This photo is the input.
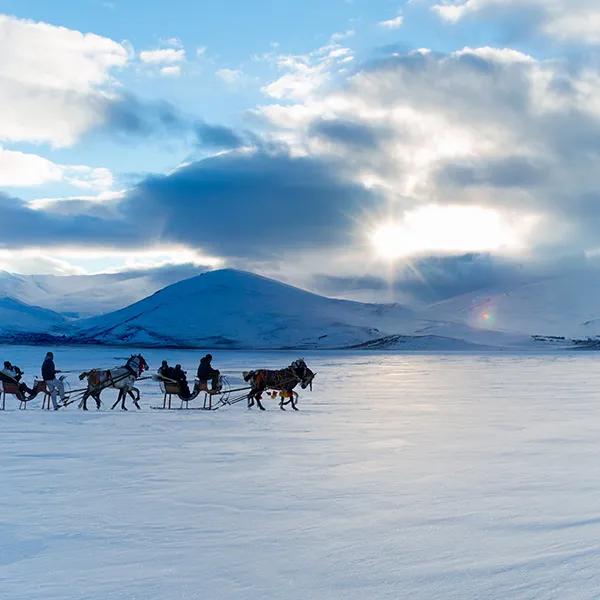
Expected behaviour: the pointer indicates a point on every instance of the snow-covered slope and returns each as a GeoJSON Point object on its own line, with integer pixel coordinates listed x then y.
{"type": "Point", "coordinates": [230, 308]}
{"type": "Point", "coordinates": [17, 318]}
{"type": "Point", "coordinates": [561, 306]}
{"type": "Point", "coordinates": [87, 295]}
{"type": "Point", "coordinates": [236, 309]}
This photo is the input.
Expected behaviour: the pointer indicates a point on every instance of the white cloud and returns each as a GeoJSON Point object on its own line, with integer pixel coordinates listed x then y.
{"type": "Point", "coordinates": [575, 21]}
{"type": "Point", "coordinates": [305, 74]}
{"type": "Point", "coordinates": [229, 76]}
{"type": "Point", "coordinates": [163, 56]}
{"type": "Point", "coordinates": [201, 51]}
{"type": "Point", "coordinates": [484, 127]}
{"type": "Point", "coordinates": [54, 82]}
{"type": "Point", "coordinates": [394, 23]}
{"type": "Point", "coordinates": [171, 71]}
{"type": "Point", "coordinates": [175, 42]}
{"type": "Point", "coordinates": [20, 169]}
{"type": "Point", "coordinates": [61, 204]}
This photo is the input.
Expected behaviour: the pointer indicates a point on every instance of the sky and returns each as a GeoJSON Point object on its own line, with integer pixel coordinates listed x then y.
{"type": "Point", "coordinates": [375, 149]}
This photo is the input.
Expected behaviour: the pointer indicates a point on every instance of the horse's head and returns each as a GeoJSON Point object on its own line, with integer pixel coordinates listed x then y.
{"type": "Point", "coordinates": [304, 374]}
{"type": "Point", "coordinates": [137, 363]}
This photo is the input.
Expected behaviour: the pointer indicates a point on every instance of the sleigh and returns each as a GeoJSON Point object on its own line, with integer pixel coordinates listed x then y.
{"type": "Point", "coordinates": [12, 389]}
{"type": "Point", "coordinates": [173, 388]}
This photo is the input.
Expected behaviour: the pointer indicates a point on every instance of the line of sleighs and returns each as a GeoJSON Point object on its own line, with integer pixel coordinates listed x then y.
{"type": "Point", "coordinates": [173, 381]}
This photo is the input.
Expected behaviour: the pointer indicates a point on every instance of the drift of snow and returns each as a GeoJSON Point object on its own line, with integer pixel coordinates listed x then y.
{"type": "Point", "coordinates": [403, 476]}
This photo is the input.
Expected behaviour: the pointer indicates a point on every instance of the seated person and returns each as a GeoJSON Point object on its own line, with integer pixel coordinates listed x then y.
{"type": "Point", "coordinates": [165, 371]}
{"type": "Point", "coordinates": [179, 375]}
{"type": "Point", "coordinates": [12, 374]}
{"type": "Point", "coordinates": [206, 372]}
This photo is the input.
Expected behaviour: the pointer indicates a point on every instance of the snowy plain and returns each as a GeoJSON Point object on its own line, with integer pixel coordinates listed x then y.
{"type": "Point", "coordinates": [452, 476]}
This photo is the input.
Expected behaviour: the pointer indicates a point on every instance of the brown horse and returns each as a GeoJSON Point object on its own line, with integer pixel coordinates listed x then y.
{"type": "Point", "coordinates": [283, 380]}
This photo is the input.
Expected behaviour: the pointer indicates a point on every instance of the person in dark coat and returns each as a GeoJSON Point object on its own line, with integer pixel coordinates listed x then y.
{"type": "Point", "coordinates": [206, 372]}
{"type": "Point", "coordinates": [12, 374]}
{"type": "Point", "coordinates": [55, 386]}
{"type": "Point", "coordinates": [180, 376]}
{"type": "Point", "coordinates": [165, 370]}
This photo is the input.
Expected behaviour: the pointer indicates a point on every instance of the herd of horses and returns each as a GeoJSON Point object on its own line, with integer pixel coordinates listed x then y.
{"type": "Point", "coordinates": [280, 382]}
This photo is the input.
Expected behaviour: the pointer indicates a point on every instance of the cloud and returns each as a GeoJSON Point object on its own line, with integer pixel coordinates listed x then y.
{"type": "Point", "coordinates": [20, 169]}
{"type": "Point", "coordinates": [25, 226]}
{"type": "Point", "coordinates": [573, 21]}
{"type": "Point", "coordinates": [250, 204]}
{"type": "Point", "coordinates": [229, 76]}
{"type": "Point", "coordinates": [435, 278]}
{"type": "Point", "coordinates": [55, 82]}
{"type": "Point", "coordinates": [305, 74]}
{"type": "Point", "coordinates": [490, 127]}
{"type": "Point", "coordinates": [163, 56]}
{"type": "Point", "coordinates": [394, 23]}
{"type": "Point", "coordinates": [166, 62]}
{"type": "Point", "coordinates": [172, 71]}
{"type": "Point", "coordinates": [130, 116]}
{"type": "Point", "coordinates": [484, 131]}
{"type": "Point", "coordinates": [218, 137]}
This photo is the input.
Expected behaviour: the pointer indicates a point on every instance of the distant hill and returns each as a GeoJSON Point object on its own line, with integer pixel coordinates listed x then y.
{"type": "Point", "coordinates": [19, 318]}
{"type": "Point", "coordinates": [556, 306]}
{"type": "Point", "coordinates": [235, 309]}
{"type": "Point", "coordinates": [87, 295]}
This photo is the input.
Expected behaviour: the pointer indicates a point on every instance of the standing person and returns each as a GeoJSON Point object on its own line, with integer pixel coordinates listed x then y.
{"type": "Point", "coordinates": [206, 372]}
{"type": "Point", "coordinates": [55, 386]}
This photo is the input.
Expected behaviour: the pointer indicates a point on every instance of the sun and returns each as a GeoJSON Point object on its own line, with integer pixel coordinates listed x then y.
{"type": "Point", "coordinates": [454, 228]}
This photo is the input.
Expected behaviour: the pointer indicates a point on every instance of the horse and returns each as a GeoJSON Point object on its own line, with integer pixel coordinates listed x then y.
{"type": "Point", "coordinates": [121, 378]}
{"type": "Point", "coordinates": [284, 381]}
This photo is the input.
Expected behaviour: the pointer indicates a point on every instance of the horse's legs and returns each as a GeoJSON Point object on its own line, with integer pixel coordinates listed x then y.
{"type": "Point", "coordinates": [294, 401]}
{"type": "Point", "coordinates": [257, 396]}
{"type": "Point", "coordinates": [96, 397]}
{"type": "Point", "coordinates": [135, 397]}
{"type": "Point", "coordinates": [83, 403]}
{"type": "Point", "coordinates": [123, 395]}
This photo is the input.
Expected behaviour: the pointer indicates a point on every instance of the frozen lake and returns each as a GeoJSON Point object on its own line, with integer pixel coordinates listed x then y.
{"type": "Point", "coordinates": [404, 476]}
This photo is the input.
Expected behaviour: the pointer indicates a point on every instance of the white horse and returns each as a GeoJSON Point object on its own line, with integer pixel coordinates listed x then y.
{"type": "Point", "coordinates": [122, 378]}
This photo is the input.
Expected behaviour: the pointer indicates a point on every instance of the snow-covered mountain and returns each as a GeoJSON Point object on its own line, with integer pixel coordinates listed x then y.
{"type": "Point", "coordinates": [87, 295]}
{"type": "Point", "coordinates": [568, 306]}
{"type": "Point", "coordinates": [235, 309]}
{"type": "Point", "coordinates": [18, 318]}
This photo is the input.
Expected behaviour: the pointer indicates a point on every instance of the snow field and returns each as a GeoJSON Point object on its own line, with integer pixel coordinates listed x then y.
{"type": "Point", "coordinates": [451, 476]}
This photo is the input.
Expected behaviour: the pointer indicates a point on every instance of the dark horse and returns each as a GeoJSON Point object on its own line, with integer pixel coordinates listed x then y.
{"type": "Point", "coordinates": [121, 378]}
{"type": "Point", "coordinates": [283, 381]}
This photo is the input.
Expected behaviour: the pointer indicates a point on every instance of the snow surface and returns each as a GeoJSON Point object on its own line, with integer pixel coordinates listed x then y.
{"type": "Point", "coordinates": [425, 476]}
